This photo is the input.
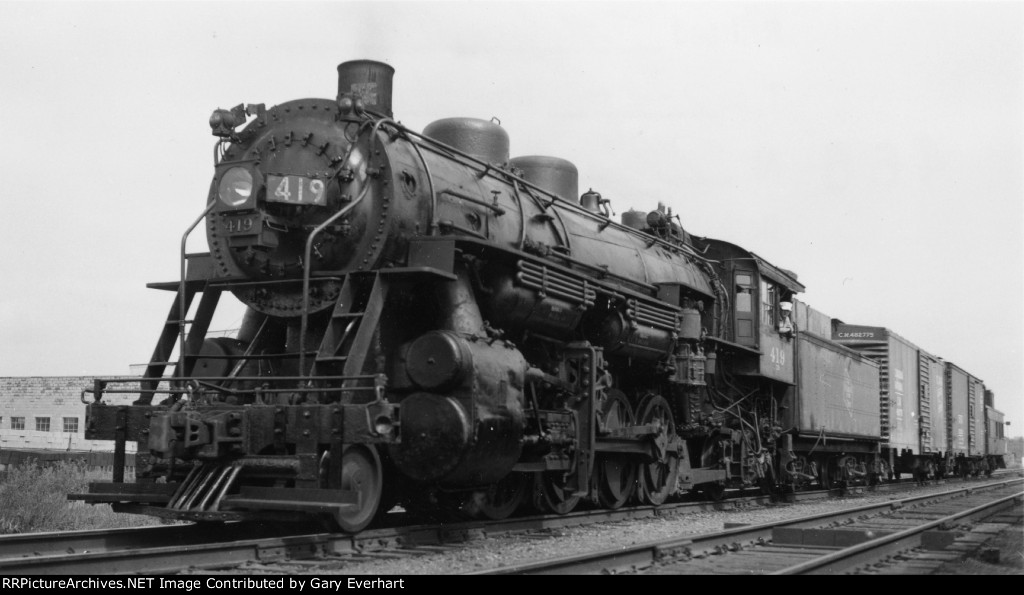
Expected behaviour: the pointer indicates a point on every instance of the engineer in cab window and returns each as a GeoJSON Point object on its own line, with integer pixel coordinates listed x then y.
{"type": "Point", "coordinates": [786, 324]}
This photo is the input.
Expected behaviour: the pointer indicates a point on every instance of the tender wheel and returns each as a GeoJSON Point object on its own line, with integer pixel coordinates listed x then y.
{"type": "Point", "coordinates": [846, 467]}
{"type": "Point", "coordinates": [615, 473]}
{"type": "Point", "coordinates": [361, 472]}
{"type": "Point", "coordinates": [502, 499]}
{"type": "Point", "coordinates": [551, 494]}
{"type": "Point", "coordinates": [658, 478]}
{"type": "Point", "coordinates": [801, 473]}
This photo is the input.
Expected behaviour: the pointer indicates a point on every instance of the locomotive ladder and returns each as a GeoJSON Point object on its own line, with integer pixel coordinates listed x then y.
{"type": "Point", "coordinates": [175, 328]}
{"type": "Point", "coordinates": [171, 335]}
{"type": "Point", "coordinates": [349, 334]}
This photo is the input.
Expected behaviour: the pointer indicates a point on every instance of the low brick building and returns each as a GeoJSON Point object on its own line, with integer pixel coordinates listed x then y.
{"type": "Point", "coordinates": [47, 413]}
{"type": "Point", "coordinates": [1015, 452]}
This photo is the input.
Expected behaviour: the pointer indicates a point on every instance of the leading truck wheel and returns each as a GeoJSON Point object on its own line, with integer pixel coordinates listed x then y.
{"type": "Point", "coordinates": [362, 473]}
{"type": "Point", "coordinates": [658, 478]}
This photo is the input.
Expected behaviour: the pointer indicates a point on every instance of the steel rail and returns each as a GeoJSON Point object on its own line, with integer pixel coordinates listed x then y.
{"type": "Point", "coordinates": [163, 548]}
{"type": "Point", "coordinates": [23, 546]}
{"type": "Point", "coordinates": [644, 555]}
{"type": "Point", "coordinates": [168, 559]}
{"type": "Point", "coordinates": [881, 547]}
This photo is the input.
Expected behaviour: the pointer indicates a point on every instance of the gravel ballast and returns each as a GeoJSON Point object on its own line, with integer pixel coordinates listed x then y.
{"type": "Point", "coordinates": [504, 550]}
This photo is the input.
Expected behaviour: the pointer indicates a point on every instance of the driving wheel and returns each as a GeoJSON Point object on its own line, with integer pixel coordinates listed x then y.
{"type": "Point", "coordinates": [552, 494]}
{"type": "Point", "coordinates": [658, 478]}
{"type": "Point", "coordinates": [616, 473]}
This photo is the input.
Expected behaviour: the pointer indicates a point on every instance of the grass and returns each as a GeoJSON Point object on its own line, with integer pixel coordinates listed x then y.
{"type": "Point", "coordinates": [35, 500]}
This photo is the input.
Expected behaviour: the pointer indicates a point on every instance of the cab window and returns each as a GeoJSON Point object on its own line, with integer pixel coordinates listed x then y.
{"type": "Point", "coordinates": [769, 299]}
{"type": "Point", "coordinates": [743, 290]}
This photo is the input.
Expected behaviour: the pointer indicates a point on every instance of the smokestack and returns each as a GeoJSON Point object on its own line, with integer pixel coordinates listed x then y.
{"type": "Point", "coordinates": [368, 80]}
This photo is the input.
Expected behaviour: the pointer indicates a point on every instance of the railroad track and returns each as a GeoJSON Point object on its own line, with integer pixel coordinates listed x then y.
{"type": "Point", "coordinates": [289, 548]}
{"type": "Point", "coordinates": [919, 531]}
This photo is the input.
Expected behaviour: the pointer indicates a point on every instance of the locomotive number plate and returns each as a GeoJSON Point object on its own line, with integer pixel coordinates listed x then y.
{"type": "Point", "coordinates": [296, 190]}
{"type": "Point", "coordinates": [241, 224]}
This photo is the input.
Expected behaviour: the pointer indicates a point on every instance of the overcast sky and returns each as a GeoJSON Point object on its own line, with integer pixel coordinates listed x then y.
{"type": "Point", "coordinates": [874, 148]}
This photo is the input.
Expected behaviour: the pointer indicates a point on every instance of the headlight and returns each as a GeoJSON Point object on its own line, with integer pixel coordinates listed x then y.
{"type": "Point", "coordinates": [235, 187]}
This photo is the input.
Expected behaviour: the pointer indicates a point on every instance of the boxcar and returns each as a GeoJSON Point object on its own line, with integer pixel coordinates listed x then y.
{"type": "Point", "coordinates": [911, 399]}
{"type": "Point", "coordinates": [957, 400]}
{"type": "Point", "coordinates": [975, 417]}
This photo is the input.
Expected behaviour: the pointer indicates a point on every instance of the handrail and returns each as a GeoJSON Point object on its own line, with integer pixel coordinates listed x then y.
{"type": "Point", "coordinates": [307, 257]}
{"type": "Point", "coordinates": [574, 206]}
{"type": "Point", "coordinates": [305, 272]}
{"type": "Point", "coordinates": [102, 385]}
{"type": "Point", "coordinates": [179, 368]}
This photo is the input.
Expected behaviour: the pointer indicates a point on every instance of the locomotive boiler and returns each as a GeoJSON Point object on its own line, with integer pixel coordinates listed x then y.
{"type": "Point", "coordinates": [435, 324]}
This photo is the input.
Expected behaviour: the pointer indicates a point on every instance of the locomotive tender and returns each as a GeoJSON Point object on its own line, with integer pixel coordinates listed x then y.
{"type": "Point", "coordinates": [433, 324]}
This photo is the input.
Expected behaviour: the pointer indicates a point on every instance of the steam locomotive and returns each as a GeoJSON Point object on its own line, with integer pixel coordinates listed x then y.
{"type": "Point", "coordinates": [435, 325]}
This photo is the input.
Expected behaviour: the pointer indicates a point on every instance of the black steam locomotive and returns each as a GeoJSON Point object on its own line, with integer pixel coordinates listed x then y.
{"type": "Point", "coordinates": [434, 325]}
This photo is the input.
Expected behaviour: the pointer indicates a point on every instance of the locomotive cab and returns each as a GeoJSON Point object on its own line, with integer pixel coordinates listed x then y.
{"type": "Point", "coordinates": [757, 329]}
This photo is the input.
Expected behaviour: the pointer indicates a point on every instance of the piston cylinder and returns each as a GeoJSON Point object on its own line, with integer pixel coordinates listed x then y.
{"type": "Point", "coordinates": [439, 360]}
{"type": "Point", "coordinates": [465, 427]}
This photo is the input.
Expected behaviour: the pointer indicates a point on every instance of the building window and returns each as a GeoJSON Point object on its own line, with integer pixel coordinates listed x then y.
{"type": "Point", "coordinates": [71, 425]}
{"type": "Point", "coordinates": [42, 424]}
{"type": "Point", "coordinates": [17, 423]}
